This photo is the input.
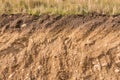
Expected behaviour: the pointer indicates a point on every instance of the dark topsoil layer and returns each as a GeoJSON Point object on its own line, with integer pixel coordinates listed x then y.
{"type": "Point", "coordinates": [14, 21]}
{"type": "Point", "coordinates": [55, 47]}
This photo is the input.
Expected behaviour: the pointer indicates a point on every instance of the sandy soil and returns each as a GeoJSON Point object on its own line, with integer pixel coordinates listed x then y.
{"type": "Point", "coordinates": [55, 47]}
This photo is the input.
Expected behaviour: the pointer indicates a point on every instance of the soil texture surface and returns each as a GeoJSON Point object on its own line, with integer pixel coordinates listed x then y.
{"type": "Point", "coordinates": [55, 47]}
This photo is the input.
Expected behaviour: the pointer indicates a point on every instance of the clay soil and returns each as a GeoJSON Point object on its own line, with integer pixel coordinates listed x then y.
{"type": "Point", "coordinates": [55, 47]}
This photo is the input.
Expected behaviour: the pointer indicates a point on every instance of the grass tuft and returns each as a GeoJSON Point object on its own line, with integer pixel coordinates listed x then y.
{"type": "Point", "coordinates": [37, 7]}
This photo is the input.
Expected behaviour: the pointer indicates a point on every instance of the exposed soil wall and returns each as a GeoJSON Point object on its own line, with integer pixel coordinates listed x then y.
{"type": "Point", "coordinates": [58, 47]}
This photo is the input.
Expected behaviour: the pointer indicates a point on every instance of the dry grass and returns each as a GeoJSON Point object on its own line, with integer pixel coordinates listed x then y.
{"type": "Point", "coordinates": [60, 6]}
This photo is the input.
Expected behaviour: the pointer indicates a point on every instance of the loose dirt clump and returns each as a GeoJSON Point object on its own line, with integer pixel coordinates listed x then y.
{"type": "Point", "coordinates": [55, 47]}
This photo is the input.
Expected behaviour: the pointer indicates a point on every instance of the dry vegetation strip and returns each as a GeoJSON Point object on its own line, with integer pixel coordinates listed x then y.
{"type": "Point", "coordinates": [60, 6]}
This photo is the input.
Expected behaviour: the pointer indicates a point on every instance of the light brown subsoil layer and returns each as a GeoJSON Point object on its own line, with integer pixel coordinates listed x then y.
{"type": "Point", "coordinates": [58, 47]}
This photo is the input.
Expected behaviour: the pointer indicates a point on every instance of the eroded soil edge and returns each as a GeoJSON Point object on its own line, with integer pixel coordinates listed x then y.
{"type": "Point", "coordinates": [59, 47]}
